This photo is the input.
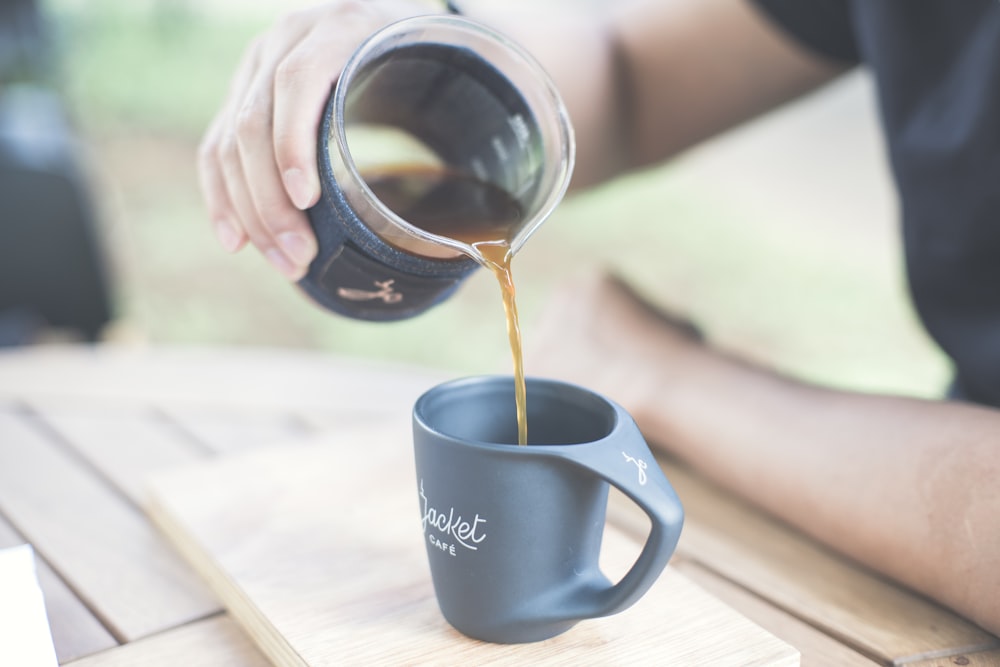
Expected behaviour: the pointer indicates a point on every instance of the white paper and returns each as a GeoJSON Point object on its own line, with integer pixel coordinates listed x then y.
{"type": "Point", "coordinates": [25, 639]}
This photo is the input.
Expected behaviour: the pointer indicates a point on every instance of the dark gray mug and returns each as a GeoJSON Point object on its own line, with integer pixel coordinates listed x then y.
{"type": "Point", "coordinates": [514, 533]}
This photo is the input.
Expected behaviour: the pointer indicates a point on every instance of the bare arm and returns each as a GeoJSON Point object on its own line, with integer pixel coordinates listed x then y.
{"type": "Point", "coordinates": [909, 487]}
{"type": "Point", "coordinates": [649, 78]}
{"type": "Point", "coordinates": [642, 82]}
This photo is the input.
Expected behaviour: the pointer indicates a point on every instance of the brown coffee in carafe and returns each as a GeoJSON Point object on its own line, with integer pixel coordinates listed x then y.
{"type": "Point", "coordinates": [449, 203]}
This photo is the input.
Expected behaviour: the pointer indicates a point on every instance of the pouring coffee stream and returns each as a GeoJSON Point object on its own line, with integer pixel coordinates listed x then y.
{"type": "Point", "coordinates": [482, 216]}
{"type": "Point", "coordinates": [443, 147]}
{"type": "Point", "coordinates": [499, 256]}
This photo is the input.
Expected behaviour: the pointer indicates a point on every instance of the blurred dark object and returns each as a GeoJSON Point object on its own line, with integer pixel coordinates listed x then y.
{"type": "Point", "coordinates": [51, 266]}
{"type": "Point", "coordinates": [19, 327]}
{"type": "Point", "coordinates": [25, 50]}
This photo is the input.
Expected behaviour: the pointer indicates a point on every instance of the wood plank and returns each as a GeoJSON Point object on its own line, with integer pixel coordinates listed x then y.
{"type": "Point", "coordinates": [75, 631]}
{"type": "Point", "coordinates": [318, 552]}
{"type": "Point", "coordinates": [240, 378]}
{"type": "Point", "coordinates": [871, 614]}
{"type": "Point", "coordinates": [333, 419]}
{"type": "Point", "coordinates": [103, 547]}
{"type": "Point", "coordinates": [228, 430]}
{"type": "Point", "coordinates": [981, 659]}
{"type": "Point", "coordinates": [817, 649]}
{"type": "Point", "coordinates": [126, 445]}
{"type": "Point", "coordinates": [213, 642]}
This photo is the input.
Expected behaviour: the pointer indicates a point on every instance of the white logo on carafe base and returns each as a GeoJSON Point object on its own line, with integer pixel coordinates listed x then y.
{"type": "Point", "coordinates": [455, 530]}
{"type": "Point", "coordinates": [385, 291]}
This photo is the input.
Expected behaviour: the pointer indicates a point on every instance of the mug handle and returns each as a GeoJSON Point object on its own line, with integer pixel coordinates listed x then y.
{"type": "Point", "coordinates": [624, 460]}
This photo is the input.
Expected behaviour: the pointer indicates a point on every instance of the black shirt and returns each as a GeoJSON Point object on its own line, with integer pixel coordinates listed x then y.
{"type": "Point", "coordinates": [936, 65]}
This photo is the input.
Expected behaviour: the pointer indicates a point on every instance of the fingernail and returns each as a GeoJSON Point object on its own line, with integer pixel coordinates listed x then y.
{"type": "Point", "coordinates": [229, 237]}
{"type": "Point", "coordinates": [282, 263]}
{"type": "Point", "coordinates": [299, 188]}
{"type": "Point", "coordinates": [300, 248]}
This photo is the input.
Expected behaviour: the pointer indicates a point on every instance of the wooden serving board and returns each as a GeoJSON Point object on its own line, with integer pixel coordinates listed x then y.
{"type": "Point", "coordinates": [317, 551]}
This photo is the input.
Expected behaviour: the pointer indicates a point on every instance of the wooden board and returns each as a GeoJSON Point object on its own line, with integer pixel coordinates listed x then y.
{"type": "Point", "coordinates": [125, 445]}
{"type": "Point", "coordinates": [227, 431]}
{"type": "Point", "coordinates": [818, 649]}
{"type": "Point", "coordinates": [861, 609]}
{"type": "Point", "coordinates": [318, 552]}
{"type": "Point", "coordinates": [213, 642]}
{"type": "Point", "coordinates": [230, 378]}
{"type": "Point", "coordinates": [75, 631]}
{"type": "Point", "coordinates": [981, 659]}
{"type": "Point", "coordinates": [110, 556]}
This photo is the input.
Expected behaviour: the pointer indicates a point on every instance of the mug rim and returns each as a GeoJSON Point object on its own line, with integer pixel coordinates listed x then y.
{"type": "Point", "coordinates": [615, 412]}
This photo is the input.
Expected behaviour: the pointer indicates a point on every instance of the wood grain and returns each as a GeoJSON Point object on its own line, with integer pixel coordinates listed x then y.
{"type": "Point", "coordinates": [234, 378]}
{"type": "Point", "coordinates": [75, 631]}
{"type": "Point", "coordinates": [74, 504]}
{"type": "Point", "coordinates": [318, 552]}
{"type": "Point", "coordinates": [213, 642]}
{"type": "Point", "coordinates": [125, 445]}
{"type": "Point", "coordinates": [874, 616]}
{"type": "Point", "coordinates": [981, 659]}
{"type": "Point", "coordinates": [225, 431]}
{"type": "Point", "coordinates": [103, 547]}
{"type": "Point", "coordinates": [818, 649]}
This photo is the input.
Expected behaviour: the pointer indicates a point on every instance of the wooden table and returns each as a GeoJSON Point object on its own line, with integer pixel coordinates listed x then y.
{"type": "Point", "coordinates": [81, 428]}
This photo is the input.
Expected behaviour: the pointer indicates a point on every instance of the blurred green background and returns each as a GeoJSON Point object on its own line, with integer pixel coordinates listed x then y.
{"type": "Point", "coordinates": [779, 238]}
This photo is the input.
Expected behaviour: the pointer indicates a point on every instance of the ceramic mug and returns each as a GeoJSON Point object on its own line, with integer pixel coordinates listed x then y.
{"type": "Point", "coordinates": [513, 533]}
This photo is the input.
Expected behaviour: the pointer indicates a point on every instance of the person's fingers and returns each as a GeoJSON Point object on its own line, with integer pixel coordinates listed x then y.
{"type": "Point", "coordinates": [301, 60]}
{"type": "Point", "coordinates": [302, 83]}
{"type": "Point", "coordinates": [223, 214]}
{"type": "Point", "coordinates": [257, 162]}
{"type": "Point", "coordinates": [233, 168]}
{"type": "Point", "coordinates": [278, 226]}
{"type": "Point", "coordinates": [246, 211]}
{"type": "Point", "coordinates": [228, 229]}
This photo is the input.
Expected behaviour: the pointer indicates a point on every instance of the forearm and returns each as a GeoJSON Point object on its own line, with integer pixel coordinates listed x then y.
{"type": "Point", "coordinates": [699, 68]}
{"type": "Point", "coordinates": [576, 47]}
{"type": "Point", "coordinates": [909, 487]}
{"type": "Point", "coordinates": [640, 84]}
{"type": "Point", "coordinates": [646, 79]}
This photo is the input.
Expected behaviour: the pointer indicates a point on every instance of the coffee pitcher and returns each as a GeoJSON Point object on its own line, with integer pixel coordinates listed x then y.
{"type": "Point", "coordinates": [439, 131]}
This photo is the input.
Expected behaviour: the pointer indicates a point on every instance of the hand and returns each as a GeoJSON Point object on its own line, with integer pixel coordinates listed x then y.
{"type": "Point", "coordinates": [598, 332]}
{"type": "Point", "coordinates": [257, 161]}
